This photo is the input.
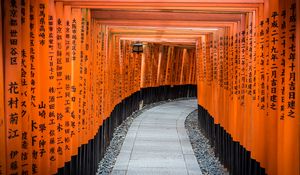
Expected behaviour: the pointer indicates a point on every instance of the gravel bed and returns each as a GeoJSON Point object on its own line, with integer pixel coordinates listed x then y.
{"type": "Point", "coordinates": [107, 163]}
{"type": "Point", "coordinates": [204, 152]}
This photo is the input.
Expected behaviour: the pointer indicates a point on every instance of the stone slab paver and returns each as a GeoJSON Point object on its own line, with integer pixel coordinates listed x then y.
{"type": "Point", "coordinates": [157, 143]}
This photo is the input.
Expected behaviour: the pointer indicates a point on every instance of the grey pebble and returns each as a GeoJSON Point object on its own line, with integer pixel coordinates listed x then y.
{"type": "Point", "coordinates": [204, 153]}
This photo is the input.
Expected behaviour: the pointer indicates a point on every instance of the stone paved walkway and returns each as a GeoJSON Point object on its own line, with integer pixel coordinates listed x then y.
{"type": "Point", "coordinates": [157, 143]}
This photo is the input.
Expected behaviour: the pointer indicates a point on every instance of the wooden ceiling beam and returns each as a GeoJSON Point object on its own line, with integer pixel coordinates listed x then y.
{"type": "Point", "coordinates": [158, 23]}
{"type": "Point", "coordinates": [160, 40]}
{"type": "Point", "coordinates": [204, 10]}
{"type": "Point", "coordinates": [158, 36]}
{"type": "Point", "coordinates": [166, 31]}
{"type": "Point", "coordinates": [159, 6]}
{"type": "Point", "coordinates": [167, 1]}
{"type": "Point", "coordinates": [175, 16]}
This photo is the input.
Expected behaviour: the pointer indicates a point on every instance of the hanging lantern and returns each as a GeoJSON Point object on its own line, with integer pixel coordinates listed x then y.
{"type": "Point", "coordinates": [137, 47]}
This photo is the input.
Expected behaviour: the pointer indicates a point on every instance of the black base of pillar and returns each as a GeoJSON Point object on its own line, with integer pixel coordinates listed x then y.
{"type": "Point", "coordinates": [231, 154]}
